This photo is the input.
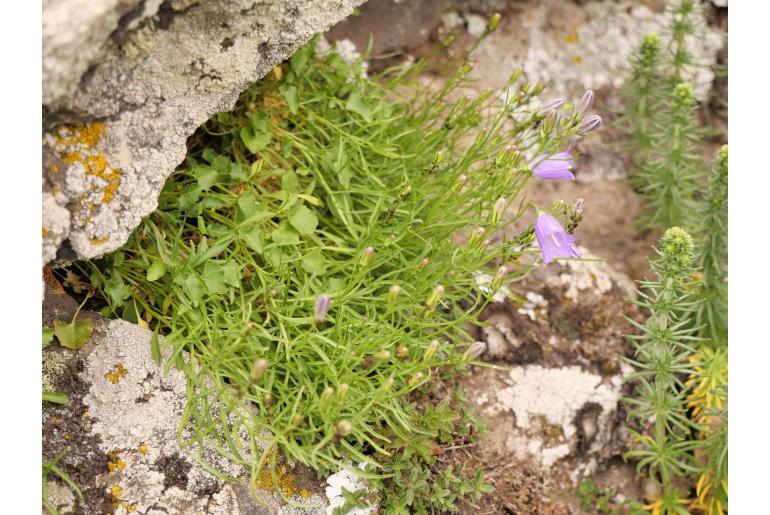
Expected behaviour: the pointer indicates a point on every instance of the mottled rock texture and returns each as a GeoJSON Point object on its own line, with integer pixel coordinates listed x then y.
{"type": "Point", "coordinates": [125, 82]}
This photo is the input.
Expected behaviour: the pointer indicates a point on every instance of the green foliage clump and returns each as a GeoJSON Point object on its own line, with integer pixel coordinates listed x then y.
{"type": "Point", "coordinates": [669, 180]}
{"type": "Point", "coordinates": [643, 98]}
{"type": "Point", "coordinates": [596, 500]}
{"type": "Point", "coordinates": [660, 125]}
{"type": "Point", "coordinates": [662, 356]}
{"type": "Point", "coordinates": [711, 316]}
{"type": "Point", "coordinates": [311, 264]}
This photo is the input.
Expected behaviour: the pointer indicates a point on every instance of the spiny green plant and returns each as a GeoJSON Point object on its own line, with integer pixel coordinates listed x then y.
{"type": "Point", "coordinates": [661, 360]}
{"type": "Point", "coordinates": [312, 262]}
{"type": "Point", "coordinates": [669, 180]}
{"type": "Point", "coordinates": [681, 27]}
{"type": "Point", "coordinates": [643, 98]}
{"type": "Point", "coordinates": [711, 316]}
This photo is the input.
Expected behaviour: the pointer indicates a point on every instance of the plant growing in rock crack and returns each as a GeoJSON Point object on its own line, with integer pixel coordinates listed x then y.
{"type": "Point", "coordinates": [711, 316]}
{"type": "Point", "coordinates": [661, 359]}
{"type": "Point", "coordinates": [311, 265]}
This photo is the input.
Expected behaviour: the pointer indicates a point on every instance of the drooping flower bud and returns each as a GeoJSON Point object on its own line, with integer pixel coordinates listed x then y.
{"type": "Point", "coordinates": [590, 123]}
{"type": "Point", "coordinates": [415, 379]}
{"type": "Point", "coordinates": [344, 427]}
{"type": "Point", "coordinates": [393, 293]}
{"type": "Point", "coordinates": [366, 256]}
{"type": "Point", "coordinates": [585, 102]}
{"type": "Point", "coordinates": [498, 210]}
{"type": "Point", "coordinates": [499, 277]}
{"type": "Point", "coordinates": [459, 183]}
{"type": "Point", "coordinates": [476, 349]}
{"type": "Point", "coordinates": [327, 393]}
{"type": "Point", "coordinates": [382, 355]}
{"type": "Point", "coordinates": [405, 192]}
{"type": "Point", "coordinates": [579, 205]}
{"type": "Point", "coordinates": [493, 22]}
{"type": "Point", "coordinates": [431, 350]}
{"type": "Point", "coordinates": [425, 262]}
{"type": "Point", "coordinates": [388, 384]}
{"type": "Point", "coordinates": [342, 391]}
{"type": "Point", "coordinates": [402, 352]}
{"type": "Point", "coordinates": [476, 236]}
{"type": "Point", "coordinates": [321, 308]}
{"type": "Point", "coordinates": [258, 370]}
{"type": "Point", "coordinates": [435, 296]}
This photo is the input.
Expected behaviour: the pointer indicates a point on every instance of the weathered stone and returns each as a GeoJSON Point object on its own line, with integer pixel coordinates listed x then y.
{"type": "Point", "coordinates": [126, 82]}
{"type": "Point", "coordinates": [120, 429]}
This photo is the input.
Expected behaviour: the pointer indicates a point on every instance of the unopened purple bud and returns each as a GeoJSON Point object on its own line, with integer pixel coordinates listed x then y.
{"type": "Point", "coordinates": [585, 102]}
{"type": "Point", "coordinates": [475, 350]}
{"type": "Point", "coordinates": [552, 106]}
{"type": "Point", "coordinates": [321, 308]}
{"type": "Point", "coordinates": [591, 123]}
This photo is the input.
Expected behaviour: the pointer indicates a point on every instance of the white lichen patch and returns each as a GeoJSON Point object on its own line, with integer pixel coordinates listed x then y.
{"type": "Point", "coordinates": [348, 480]}
{"type": "Point", "coordinates": [535, 306]}
{"type": "Point", "coordinates": [484, 281]}
{"type": "Point", "coordinates": [546, 403]}
{"type": "Point", "coordinates": [572, 46]}
{"type": "Point", "coordinates": [583, 276]}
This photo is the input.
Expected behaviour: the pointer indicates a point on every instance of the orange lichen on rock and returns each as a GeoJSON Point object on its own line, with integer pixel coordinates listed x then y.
{"type": "Point", "coordinates": [116, 373]}
{"type": "Point", "coordinates": [144, 449]}
{"type": "Point", "coordinates": [286, 482]}
{"type": "Point", "coordinates": [100, 241]}
{"type": "Point", "coordinates": [80, 144]}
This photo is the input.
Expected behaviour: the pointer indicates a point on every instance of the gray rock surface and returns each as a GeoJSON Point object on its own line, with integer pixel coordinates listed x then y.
{"type": "Point", "coordinates": [126, 82]}
{"type": "Point", "coordinates": [120, 429]}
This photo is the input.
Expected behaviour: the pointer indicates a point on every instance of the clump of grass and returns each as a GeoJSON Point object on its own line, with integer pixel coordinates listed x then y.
{"type": "Point", "coordinates": [311, 264]}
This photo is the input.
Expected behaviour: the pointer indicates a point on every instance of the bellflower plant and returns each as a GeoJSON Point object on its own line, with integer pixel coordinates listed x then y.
{"type": "Point", "coordinates": [322, 184]}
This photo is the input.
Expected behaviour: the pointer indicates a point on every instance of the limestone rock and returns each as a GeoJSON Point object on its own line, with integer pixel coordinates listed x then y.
{"type": "Point", "coordinates": [126, 82]}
